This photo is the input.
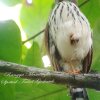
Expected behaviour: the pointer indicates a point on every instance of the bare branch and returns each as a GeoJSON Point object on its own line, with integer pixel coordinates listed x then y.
{"type": "Point", "coordinates": [33, 36]}
{"type": "Point", "coordinates": [83, 3]}
{"type": "Point", "coordinates": [81, 80]}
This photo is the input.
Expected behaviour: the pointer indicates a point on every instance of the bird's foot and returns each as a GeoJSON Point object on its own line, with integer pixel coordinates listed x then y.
{"type": "Point", "coordinates": [75, 71]}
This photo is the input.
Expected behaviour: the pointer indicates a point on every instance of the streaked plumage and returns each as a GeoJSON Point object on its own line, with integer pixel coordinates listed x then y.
{"type": "Point", "coordinates": [68, 39]}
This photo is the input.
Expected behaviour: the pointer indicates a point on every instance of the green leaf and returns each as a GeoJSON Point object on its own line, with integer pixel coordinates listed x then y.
{"type": "Point", "coordinates": [24, 52]}
{"type": "Point", "coordinates": [93, 94]}
{"type": "Point", "coordinates": [40, 91]}
{"type": "Point", "coordinates": [96, 46]}
{"type": "Point", "coordinates": [33, 56]}
{"type": "Point", "coordinates": [10, 42]}
{"type": "Point", "coordinates": [34, 17]}
{"type": "Point", "coordinates": [90, 9]}
{"type": "Point", "coordinates": [49, 91]}
{"type": "Point", "coordinates": [7, 89]}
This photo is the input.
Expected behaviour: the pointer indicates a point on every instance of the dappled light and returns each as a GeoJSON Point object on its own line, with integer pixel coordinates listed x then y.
{"type": "Point", "coordinates": [21, 20]}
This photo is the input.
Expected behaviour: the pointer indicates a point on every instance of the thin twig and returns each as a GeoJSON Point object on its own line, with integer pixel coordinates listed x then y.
{"type": "Point", "coordinates": [83, 3]}
{"type": "Point", "coordinates": [33, 36]}
{"type": "Point", "coordinates": [50, 93]}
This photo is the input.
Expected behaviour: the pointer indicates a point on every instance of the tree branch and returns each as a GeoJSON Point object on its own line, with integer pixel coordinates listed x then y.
{"type": "Point", "coordinates": [33, 36]}
{"type": "Point", "coordinates": [84, 3]}
{"type": "Point", "coordinates": [81, 80]}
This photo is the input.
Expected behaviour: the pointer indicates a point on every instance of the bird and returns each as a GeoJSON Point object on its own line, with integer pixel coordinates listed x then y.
{"type": "Point", "coordinates": [68, 41]}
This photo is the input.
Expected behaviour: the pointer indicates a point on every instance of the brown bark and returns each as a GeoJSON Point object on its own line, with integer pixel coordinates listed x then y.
{"type": "Point", "coordinates": [81, 80]}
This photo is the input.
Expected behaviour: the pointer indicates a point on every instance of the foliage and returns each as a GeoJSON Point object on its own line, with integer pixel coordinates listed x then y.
{"type": "Point", "coordinates": [10, 41]}
{"type": "Point", "coordinates": [33, 56]}
{"type": "Point", "coordinates": [33, 18]}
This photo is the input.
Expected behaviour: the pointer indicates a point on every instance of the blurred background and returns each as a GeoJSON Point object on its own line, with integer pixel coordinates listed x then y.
{"type": "Point", "coordinates": [22, 19]}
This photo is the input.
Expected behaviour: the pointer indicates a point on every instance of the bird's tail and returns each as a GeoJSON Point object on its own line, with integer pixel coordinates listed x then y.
{"type": "Point", "coordinates": [78, 94]}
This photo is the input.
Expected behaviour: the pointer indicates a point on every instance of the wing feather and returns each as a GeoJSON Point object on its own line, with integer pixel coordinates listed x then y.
{"type": "Point", "coordinates": [87, 61]}
{"type": "Point", "coordinates": [52, 50]}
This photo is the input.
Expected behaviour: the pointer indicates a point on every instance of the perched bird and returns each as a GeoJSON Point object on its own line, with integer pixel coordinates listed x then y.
{"type": "Point", "coordinates": [68, 39]}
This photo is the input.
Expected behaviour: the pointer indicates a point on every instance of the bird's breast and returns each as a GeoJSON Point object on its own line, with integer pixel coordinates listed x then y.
{"type": "Point", "coordinates": [73, 51]}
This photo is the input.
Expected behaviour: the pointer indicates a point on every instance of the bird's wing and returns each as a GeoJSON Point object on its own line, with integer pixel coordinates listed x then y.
{"type": "Point", "coordinates": [87, 61]}
{"type": "Point", "coordinates": [52, 50]}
